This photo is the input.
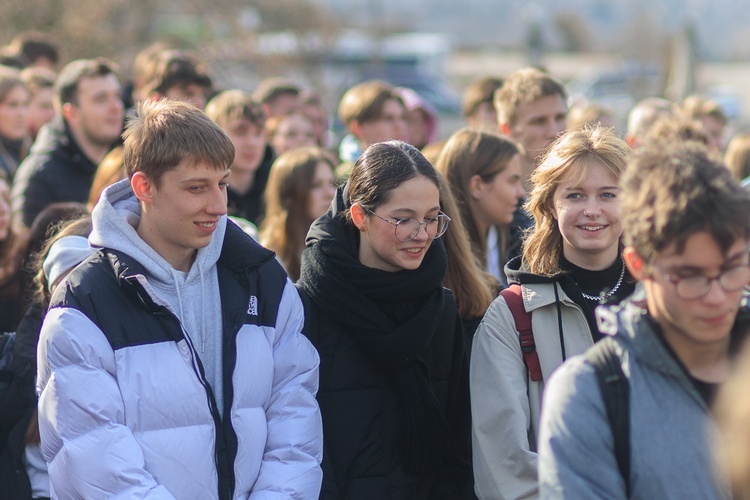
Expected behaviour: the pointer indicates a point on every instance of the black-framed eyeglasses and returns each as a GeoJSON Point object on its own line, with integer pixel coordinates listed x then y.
{"type": "Point", "coordinates": [408, 229]}
{"type": "Point", "coordinates": [696, 286]}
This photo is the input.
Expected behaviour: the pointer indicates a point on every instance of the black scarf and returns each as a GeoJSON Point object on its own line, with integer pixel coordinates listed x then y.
{"type": "Point", "coordinates": [393, 316]}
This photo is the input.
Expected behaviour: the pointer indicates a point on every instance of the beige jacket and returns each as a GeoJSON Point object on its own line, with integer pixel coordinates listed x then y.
{"type": "Point", "coordinates": [505, 403]}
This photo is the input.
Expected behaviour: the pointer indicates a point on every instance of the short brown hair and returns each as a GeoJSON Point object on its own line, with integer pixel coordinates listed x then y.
{"type": "Point", "coordinates": [271, 88]}
{"type": "Point", "coordinates": [479, 92]}
{"type": "Point", "coordinates": [161, 134]}
{"type": "Point", "coordinates": [232, 105]}
{"type": "Point", "coordinates": [524, 86]}
{"type": "Point", "coordinates": [66, 85]}
{"type": "Point", "coordinates": [672, 191]}
{"type": "Point", "coordinates": [677, 128]}
{"type": "Point", "coordinates": [174, 68]}
{"type": "Point", "coordinates": [699, 107]}
{"type": "Point", "coordinates": [364, 102]}
{"type": "Point", "coordinates": [37, 78]}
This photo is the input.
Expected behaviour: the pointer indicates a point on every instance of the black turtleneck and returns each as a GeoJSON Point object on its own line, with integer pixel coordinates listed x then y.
{"type": "Point", "coordinates": [593, 283]}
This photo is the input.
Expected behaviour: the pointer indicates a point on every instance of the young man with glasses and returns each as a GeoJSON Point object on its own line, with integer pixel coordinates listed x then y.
{"type": "Point", "coordinates": [686, 235]}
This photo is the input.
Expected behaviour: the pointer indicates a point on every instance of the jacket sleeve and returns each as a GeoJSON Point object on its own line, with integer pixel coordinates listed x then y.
{"type": "Point", "coordinates": [576, 449]}
{"type": "Point", "coordinates": [294, 448]}
{"type": "Point", "coordinates": [504, 463]}
{"type": "Point", "coordinates": [89, 451]}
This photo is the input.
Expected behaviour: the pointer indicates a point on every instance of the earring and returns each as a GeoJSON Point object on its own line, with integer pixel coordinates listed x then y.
{"type": "Point", "coordinates": [475, 195]}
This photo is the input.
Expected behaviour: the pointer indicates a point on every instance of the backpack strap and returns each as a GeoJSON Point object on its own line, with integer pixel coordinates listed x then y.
{"type": "Point", "coordinates": [605, 357]}
{"type": "Point", "coordinates": [522, 317]}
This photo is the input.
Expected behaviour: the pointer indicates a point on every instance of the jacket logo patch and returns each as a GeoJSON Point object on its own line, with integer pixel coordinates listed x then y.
{"type": "Point", "coordinates": [252, 306]}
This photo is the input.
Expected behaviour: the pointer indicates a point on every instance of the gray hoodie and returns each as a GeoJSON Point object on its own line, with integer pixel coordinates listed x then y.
{"type": "Point", "coordinates": [671, 429]}
{"type": "Point", "coordinates": [192, 296]}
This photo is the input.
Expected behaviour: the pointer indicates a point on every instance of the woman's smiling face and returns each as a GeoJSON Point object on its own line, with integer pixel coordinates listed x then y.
{"type": "Point", "coordinates": [588, 216]}
{"type": "Point", "coordinates": [417, 198]}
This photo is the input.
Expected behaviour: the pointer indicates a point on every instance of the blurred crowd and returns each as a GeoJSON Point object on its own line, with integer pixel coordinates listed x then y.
{"type": "Point", "coordinates": [531, 185]}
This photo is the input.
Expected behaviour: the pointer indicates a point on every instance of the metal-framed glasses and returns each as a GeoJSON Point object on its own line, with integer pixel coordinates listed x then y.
{"type": "Point", "coordinates": [696, 286]}
{"type": "Point", "coordinates": [408, 229]}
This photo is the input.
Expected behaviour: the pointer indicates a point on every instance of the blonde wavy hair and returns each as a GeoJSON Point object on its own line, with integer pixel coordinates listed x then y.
{"type": "Point", "coordinates": [570, 159]}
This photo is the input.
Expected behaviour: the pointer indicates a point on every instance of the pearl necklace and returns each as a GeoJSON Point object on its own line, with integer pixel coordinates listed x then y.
{"type": "Point", "coordinates": [612, 291]}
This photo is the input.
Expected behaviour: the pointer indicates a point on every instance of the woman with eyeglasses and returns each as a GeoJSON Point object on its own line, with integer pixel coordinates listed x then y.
{"type": "Point", "coordinates": [570, 264]}
{"type": "Point", "coordinates": [393, 375]}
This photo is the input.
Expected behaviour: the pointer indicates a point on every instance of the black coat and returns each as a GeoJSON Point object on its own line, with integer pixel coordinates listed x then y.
{"type": "Point", "coordinates": [367, 396]}
{"type": "Point", "coordinates": [56, 170]}
{"type": "Point", "coordinates": [361, 419]}
{"type": "Point", "coordinates": [17, 406]}
{"type": "Point", "coordinates": [250, 206]}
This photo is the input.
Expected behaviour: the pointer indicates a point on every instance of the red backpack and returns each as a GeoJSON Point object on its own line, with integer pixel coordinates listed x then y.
{"type": "Point", "coordinates": [514, 299]}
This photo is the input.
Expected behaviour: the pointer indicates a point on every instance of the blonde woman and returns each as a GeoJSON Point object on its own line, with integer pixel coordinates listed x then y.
{"type": "Point", "coordinates": [570, 263]}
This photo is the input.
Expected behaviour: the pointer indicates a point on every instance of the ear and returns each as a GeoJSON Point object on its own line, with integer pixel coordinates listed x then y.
{"type": "Point", "coordinates": [69, 112]}
{"type": "Point", "coordinates": [552, 209]}
{"type": "Point", "coordinates": [356, 129]}
{"type": "Point", "coordinates": [505, 128]}
{"type": "Point", "coordinates": [475, 187]}
{"type": "Point", "coordinates": [142, 187]}
{"type": "Point", "coordinates": [359, 216]}
{"type": "Point", "coordinates": [635, 263]}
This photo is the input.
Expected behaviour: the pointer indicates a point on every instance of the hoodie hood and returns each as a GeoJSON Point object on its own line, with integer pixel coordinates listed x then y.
{"type": "Point", "coordinates": [115, 219]}
{"type": "Point", "coordinates": [191, 296]}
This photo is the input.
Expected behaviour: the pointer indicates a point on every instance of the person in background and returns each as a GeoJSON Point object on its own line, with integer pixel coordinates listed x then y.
{"type": "Point", "coordinates": [180, 337]}
{"type": "Point", "coordinates": [677, 128]}
{"type": "Point", "coordinates": [40, 83]}
{"type": "Point", "coordinates": [686, 236]}
{"type": "Point", "coordinates": [473, 288]}
{"type": "Point", "coordinates": [570, 264]}
{"type": "Point", "coordinates": [643, 115]}
{"type": "Point", "coordinates": [34, 48]}
{"type": "Point", "coordinates": [732, 412]}
{"type": "Point", "coordinates": [14, 111]}
{"type": "Point", "coordinates": [477, 104]}
{"type": "Point", "coordinates": [289, 131]}
{"type": "Point", "coordinates": [243, 119]}
{"type": "Point", "coordinates": [393, 386]}
{"type": "Point", "coordinates": [277, 96]}
{"type": "Point", "coordinates": [532, 110]}
{"type": "Point", "coordinates": [483, 170]}
{"type": "Point", "coordinates": [737, 157]}
{"type": "Point", "coordinates": [371, 111]}
{"type": "Point", "coordinates": [175, 74]}
{"type": "Point", "coordinates": [142, 68]}
{"type": "Point", "coordinates": [88, 122]}
{"type": "Point", "coordinates": [11, 260]}
{"type": "Point", "coordinates": [421, 119]}
{"type": "Point", "coordinates": [313, 107]}
{"type": "Point", "coordinates": [590, 113]}
{"type": "Point", "coordinates": [23, 472]}
{"type": "Point", "coordinates": [300, 189]}
{"type": "Point", "coordinates": [711, 114]}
